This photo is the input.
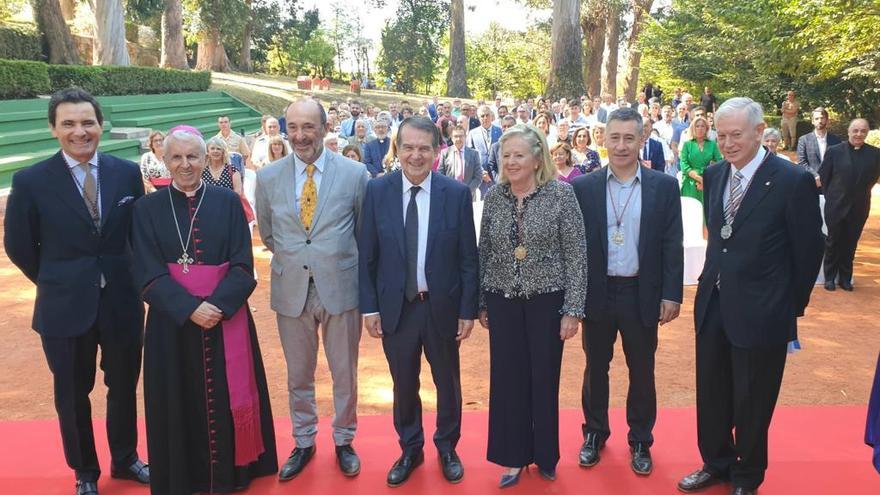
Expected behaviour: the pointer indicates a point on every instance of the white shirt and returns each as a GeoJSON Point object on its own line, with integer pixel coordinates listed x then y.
{"type": "Point", "coordinates": [260, 153]}
{"type": "Point", "coordinates": [80, 175]}
{"type": "Point", "coordinates": [823, 143]}
{"type": "Point", "coordinates": [423, 202]}
{"type": "Point", "coordinates": [665, 130]}
{"type": "Point", "coordinates": [748, 173]}
{"type": "Point", "coordinates": [301, 175]}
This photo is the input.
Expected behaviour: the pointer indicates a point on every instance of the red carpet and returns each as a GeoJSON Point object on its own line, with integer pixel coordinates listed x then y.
{"type": "Point", "coordinates": [813, 450]}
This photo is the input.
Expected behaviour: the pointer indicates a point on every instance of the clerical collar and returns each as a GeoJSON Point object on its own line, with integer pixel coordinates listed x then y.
{"type": "Point", "coordinates": [188, 194]}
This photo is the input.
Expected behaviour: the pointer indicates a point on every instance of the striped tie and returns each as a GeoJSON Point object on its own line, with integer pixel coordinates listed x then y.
{"type": "Point", "coordinates": [736, 196]}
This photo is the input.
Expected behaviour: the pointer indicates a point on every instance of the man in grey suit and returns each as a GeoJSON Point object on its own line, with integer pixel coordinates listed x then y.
{"type": "Point", "coordinates": [461, 163]}
{"type": "Point", "coordinates": [811, 147]}
{"type": "Point", "coordinates": [308, 204]}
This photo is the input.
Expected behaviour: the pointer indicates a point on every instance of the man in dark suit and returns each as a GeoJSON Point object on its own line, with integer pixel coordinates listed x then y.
{"type": "Point", "coordinates": [419, 289]}
{"type": "Point", "coordinates": [848, 172]}
{"type": "Point", "coordinates": [67, 227]}
{"type": "Point", "coordinates": [765, 248]}
{"type": "Point", "coordinates": [632, 216]}
{"type": "Point", "coordinates": [651, 153]}
{"type": "Point", "coordinates": [460, 162]}
{"type": "Point", "coordinates": [811, 147]}
{"type": "Point", "coordinates": [375, 150]}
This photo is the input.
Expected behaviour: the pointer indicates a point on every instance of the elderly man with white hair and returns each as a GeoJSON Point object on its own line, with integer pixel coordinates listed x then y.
{"type": "Point", "coordinates": [765, 248]}
{"type": "Point", "coordinates": [205, 395]}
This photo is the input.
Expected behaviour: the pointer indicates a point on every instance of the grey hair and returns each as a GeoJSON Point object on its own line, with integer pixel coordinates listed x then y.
{"type": "Point", "coordinates": [771, 132]}
{"type": "Point", "coordinates": [753, 109]}
{"type": "Point", "coordinates": [484, 109]}
{"type": "Point", "coordinates": [627, 114]}
{"type": "Point", "coordinates": [186, 136]}
{"type": "Point", "coordinates": [422, 124]}
{"type": "Point", "coordinates": [509, 118]}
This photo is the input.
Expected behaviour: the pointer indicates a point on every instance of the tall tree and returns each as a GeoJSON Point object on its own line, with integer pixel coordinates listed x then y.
{"type": "Point", "coordinates": [173, 48]}
{"type": "Point", "coordinates": [341, 32]}
{"type": "Point", "coordinates": [212, 54]}
{"type": "Point", "coordinates": [640, 9]}
{"type": "Point", "coordinates": [593, 23]}
{"type": "Point", "coordinates": [612, 48]}
{"type": "Point", "coordinates": [110, 46]}
{"type": "Point", "coordinates": [566, 77]}
{"type": "Point", "coordinates": [68, 9]}
{"type": "Point", "coordinates": [50, 22]}
{"type": "Point", "coordinates": [411, 49]}
{"type": "Point", "coordinates": [456, 76]}
{"type": "Point", "coordinates": [244, 58]}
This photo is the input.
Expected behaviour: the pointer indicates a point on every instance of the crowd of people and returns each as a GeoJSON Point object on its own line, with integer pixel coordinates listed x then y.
{"type": "Point", "coordinates": [369, 217]}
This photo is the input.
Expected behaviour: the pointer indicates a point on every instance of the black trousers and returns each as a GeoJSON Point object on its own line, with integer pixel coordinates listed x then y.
{"type": "Point", "coordinates": [526, 357]}
{"type": "Point", "coordinates": [736, 390]}
{"type": "Point", "coordinates": [623, 315]}
{"type": "Point", "coordinates": [403, 350]}
{"type": "Point", "coordinates": [73, 364]}
{"type": "Point", "coordinates": [840, 247]}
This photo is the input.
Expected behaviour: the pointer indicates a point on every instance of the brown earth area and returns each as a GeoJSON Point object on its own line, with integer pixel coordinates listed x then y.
{"type": "Point", "coordinates": [839, 335]}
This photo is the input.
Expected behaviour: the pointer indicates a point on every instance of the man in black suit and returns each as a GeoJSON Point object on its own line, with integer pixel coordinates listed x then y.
{"type": "Point", "coordinates": [811, 147]}
{"type": "Point", "coordinates": [67, 227]}
{"type": "Point", "coordinates": [632, 216]}
{"type": "Point", "coordinates": [419, 289]}
{"type": "Point", "coordinates": [651, 153]}
{"type": "Point", "coordinates": [848, 172]}
{"type": "Point", "coordinates": [765, 248]}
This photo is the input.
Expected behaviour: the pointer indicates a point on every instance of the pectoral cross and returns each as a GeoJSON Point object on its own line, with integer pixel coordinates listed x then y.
{"type": "Point", "coordinates": [185, 260]}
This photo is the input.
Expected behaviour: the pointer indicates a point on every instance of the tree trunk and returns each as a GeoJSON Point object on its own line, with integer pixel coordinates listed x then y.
{"type": "Point", "coordinates": [612, 46]}
{"type": "Point", "coordinates": [456, 76]}
{"type": "Point", "coordinates": [212, 55]}
{"type": "Point", "coordinates": [633, 54]}
{"type": "Point", "coordinates": [244, 58]}
{"type": "Point", "coordinates": [566, 77]}
{"type": "Point", "coordinates": [593, 25]}
{"type": "Point", "coordinates": [110, 46]}
{"type": "Point", "coordinates": [173, 49]}
{"type": "Point", "coordinates": [59, 41]}
{"type": "Point", "coordinates": [68, 9]}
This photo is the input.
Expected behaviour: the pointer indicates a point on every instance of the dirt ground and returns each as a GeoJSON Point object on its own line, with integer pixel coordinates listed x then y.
{"type": "Point", "coordinates": [839, 335]}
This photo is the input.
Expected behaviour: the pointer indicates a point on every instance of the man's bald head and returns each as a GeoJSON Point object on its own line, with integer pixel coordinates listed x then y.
{"type": "Point", "coordinates": [307, 106]}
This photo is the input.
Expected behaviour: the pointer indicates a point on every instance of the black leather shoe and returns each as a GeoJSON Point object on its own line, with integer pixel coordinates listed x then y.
{"type": "Point", "coordinates": [297, 461]}
{"type": "Point", "coordinates": [404, 467]}
{"type": "Point", "coordinates": [348, 460]}
{"type": "Point", "coordinates": [697, 481]}
{"type": "Point", "coordinates": [86, 488]}
{"type": "Point", "coordinates": [641, 459]}
{"type": "Point", "coordinates": [738, 490]}
{"type": "Point", "coordinates": [829, 285]}
{"type": "Point", "coordinates": [589, 454]}
{"type": "Point", "coordinates": [547, 474]}
{"type": "Point", "coordinates": [136, 471]}
{"type": "Point", "coordinates": [453, 470]}
{"type": "Point", "coordinates": [846, 285]}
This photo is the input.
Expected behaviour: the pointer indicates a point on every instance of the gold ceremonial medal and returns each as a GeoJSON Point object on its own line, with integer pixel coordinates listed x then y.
{"type": "Point", "coordinates": [726, 231]}
{"type": "Point", "coordinates": [617, 237]}
{"type": "Point", "coordinates": [520, 252]}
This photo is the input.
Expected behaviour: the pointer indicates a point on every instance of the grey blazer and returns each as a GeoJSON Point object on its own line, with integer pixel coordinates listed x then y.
{"type": "Point", "coordinates": [808, 151]}
{"type": "Point", "coordinates": [473, 171]}
{"type": "Point", "coordinates": [329, 252]}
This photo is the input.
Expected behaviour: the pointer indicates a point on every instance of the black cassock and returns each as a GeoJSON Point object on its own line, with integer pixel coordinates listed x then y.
{"type": "Point", "coordinates": [189, 422]}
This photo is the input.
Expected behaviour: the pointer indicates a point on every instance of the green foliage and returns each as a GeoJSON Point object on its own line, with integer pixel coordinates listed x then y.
{"type": "Point", "coordinates": [873, 138]}
{"type": "Point", "coordinates": [411, 43]}
{"type": "Point", "coordinates": [115, 80]}
{"type": "Point", "coordinates": [510, 62]}
{"type": "Point", "coordinates": [22, 79]}
{"type": "Point", "coordinates": [8, 8]}
{"type": "Point", "coordinates": [20, 43]}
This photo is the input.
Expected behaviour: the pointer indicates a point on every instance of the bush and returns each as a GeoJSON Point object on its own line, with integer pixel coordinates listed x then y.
{"type": "Point", "coordinates": [114, 80]}
{"type": "Point", "coordinates": [19, 43]}
{"type": "Point", "coordinates": [23, 79]}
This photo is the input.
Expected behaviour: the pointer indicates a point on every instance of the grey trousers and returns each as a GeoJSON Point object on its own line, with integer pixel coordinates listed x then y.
{"type": "Point", "coordinates": [299, 338]}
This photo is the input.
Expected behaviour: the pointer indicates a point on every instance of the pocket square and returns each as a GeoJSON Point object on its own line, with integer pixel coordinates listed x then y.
{"type": "Point", "coordinates": [125, 200]}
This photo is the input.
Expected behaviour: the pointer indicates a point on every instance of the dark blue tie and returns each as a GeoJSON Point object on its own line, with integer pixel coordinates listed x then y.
{"type": "Point", "coordinates": [411, 234]}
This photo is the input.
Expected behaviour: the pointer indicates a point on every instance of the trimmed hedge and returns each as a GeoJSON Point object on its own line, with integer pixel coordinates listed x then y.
{"type": "Point", "coordinates": [23, 79]}
{"type": "Point", "coordinates": [18, 43]}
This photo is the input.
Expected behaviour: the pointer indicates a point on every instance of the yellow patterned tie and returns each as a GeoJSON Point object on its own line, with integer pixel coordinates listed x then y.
{"type": "Point", "coordinates": [309, 198]}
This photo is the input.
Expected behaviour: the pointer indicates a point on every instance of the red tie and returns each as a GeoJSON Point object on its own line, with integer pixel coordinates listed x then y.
{"type": "Point", "coordinates": [460, 166]}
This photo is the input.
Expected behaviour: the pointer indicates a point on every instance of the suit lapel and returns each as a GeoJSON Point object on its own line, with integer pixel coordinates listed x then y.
{"type": "Point", "coordinates": [327, 178]}
{"type": "Point", "coordinates": [600, 206]}
{"type": "Point", "coordinates": [107, 172]}
{"type": "Point", "coordinates": [716, 199]}
{"type": "Point", "coordinates": [648, 207]}
{"type": "Point", "coordinates": [438, 199]}
{"type": "Point", "coordinates": [288, 185]}
{"type": "Point", "coordinates": [395, 208]}
{"type": "Point", "coordinates": [66, 188]}
{"type": "Point", "coordinates": [760, 185]}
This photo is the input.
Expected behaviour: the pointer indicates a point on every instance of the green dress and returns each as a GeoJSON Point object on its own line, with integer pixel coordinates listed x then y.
{"type": "Point", "coordinates": [693, 158]}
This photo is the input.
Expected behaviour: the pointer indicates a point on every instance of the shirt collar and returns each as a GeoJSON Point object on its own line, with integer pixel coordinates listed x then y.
{"type": "Point", "coordinates": [749, 170]}
{"type": "Point", "coordinates": [319, 163]}
{"type": "Point", "coordinates": [72, 163]}
{"type": "Point", "coordinates": [425, 185]}
{"type": "Point", "coordinates": [638, 176]}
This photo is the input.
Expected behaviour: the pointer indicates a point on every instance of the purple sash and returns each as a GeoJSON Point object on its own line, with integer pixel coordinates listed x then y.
{"type": "Point", "coordinates": [243, 397]}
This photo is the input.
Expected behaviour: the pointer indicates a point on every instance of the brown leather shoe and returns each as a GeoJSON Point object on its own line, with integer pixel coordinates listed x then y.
{"type": "Point", "coordinates": [697, 481]}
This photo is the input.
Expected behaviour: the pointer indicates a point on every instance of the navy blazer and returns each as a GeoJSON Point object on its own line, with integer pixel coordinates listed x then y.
{"type": "Point", "coordinates": [808, 151]}
{"type": "Point", "coordinates": [374, 153]}
{"type": "Point", "coordinates": [655, 154]}
{"type": "Point", "coordinates": [451, 263]}
{"type": "Point", "coordinates": [661, 255]}
{"type": "Point", "coordinates": [768, 266]}
{"type": "Point", "coordinates": [50, 237]}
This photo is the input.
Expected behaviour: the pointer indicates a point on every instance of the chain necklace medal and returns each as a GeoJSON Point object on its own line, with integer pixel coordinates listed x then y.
{"type": "Point", "coordinates": [520, 251]}
{"type": "Point", "coordinates": [617, 237]}
{"type": "Point", "coordinates": [727, 228]}
{"type": "Point", "coordinates": [726, 231]}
